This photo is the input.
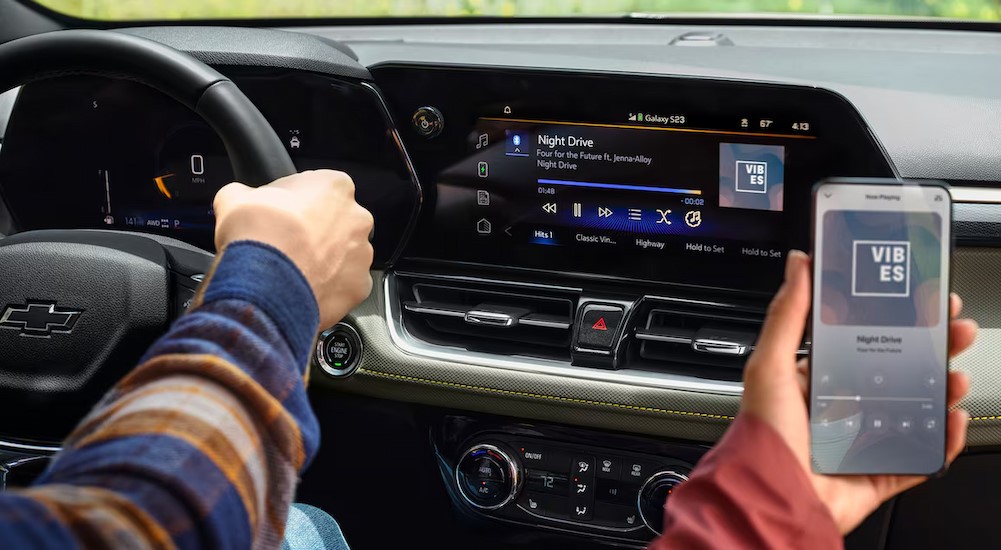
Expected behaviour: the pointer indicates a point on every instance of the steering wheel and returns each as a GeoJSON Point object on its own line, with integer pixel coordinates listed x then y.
{"type": "Point", "coordinates": [79, 307]}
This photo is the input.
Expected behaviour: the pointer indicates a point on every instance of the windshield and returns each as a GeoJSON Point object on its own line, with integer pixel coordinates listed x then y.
{"type": "Point", "coordinates": [239, 9]}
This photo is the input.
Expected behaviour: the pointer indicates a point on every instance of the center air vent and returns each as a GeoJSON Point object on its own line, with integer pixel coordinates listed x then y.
{"type": "Point", "coordinates": [705, 340]}
{"type": "Point", "coordinates": [478, 317]}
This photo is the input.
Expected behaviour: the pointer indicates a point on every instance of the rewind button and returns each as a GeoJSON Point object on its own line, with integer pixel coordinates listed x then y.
{"type": "Point", "coordinates": [549, 207]}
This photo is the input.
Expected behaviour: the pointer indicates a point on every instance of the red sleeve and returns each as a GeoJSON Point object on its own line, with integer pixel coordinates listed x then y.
{"type": "Point", "coordinates": [748, 492]}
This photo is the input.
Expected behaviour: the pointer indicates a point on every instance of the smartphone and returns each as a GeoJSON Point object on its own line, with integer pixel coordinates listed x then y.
{"type": "Point", "coordinates": [879, 356]}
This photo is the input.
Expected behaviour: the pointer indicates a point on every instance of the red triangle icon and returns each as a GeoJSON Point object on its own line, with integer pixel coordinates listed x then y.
{"type": "Point", "coordinates": [600, 325]}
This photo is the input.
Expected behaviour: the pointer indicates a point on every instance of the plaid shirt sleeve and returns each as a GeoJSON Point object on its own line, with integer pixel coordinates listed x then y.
{"type": "Point", "coordinates": [201, 445]}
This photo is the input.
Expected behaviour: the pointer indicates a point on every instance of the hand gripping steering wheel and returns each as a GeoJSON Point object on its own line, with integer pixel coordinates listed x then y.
{"type": "Point", "coordinates": [79, 307]}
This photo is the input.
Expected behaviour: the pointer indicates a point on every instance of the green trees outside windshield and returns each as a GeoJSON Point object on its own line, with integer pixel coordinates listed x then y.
{"type": "Point", "coordinates": [233, 9]}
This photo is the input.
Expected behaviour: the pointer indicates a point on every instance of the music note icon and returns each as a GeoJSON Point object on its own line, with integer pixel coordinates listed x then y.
{"type": "Point", "coordinates": [484, 139]}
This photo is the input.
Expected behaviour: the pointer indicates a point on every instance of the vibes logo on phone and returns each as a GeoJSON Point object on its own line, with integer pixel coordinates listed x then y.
{"type": "Point", "coordinates": [881, 268]}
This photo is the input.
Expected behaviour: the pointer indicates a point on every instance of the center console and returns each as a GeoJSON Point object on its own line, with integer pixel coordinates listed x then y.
{"type": "Point", "coordinates": [604, 244]}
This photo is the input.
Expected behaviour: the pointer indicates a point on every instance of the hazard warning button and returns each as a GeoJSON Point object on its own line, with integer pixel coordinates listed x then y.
{"type": "Point", "coordinates": [599, 326]}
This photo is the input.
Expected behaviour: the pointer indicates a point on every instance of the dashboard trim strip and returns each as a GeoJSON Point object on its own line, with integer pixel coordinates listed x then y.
{"type": "Point", "coordinates": [670, 412]}
{"type": "Point", "coordinates": [980, 195]}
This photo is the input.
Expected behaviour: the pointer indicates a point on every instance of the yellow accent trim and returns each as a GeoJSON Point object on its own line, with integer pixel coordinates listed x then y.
{"type": "Point", "coordinates": [544, 396]}
{"type": "Point", "coordinates": [655, 128]}
{"type": "Point", "coordinates": [579, 401]}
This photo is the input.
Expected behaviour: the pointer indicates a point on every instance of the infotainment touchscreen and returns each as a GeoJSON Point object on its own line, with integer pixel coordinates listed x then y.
{"type": "Point", "coordinates": [669, 180]}
{"type": "Point", "coordinates": [637, 185]}
{"type": "Point", "coordinates": [649, 188]}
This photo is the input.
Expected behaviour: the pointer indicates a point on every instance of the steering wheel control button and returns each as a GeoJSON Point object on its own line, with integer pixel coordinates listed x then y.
{"type": "Point", "coordinates": [338, 351]}
{"type": "Point", "coordinates": [487, 477]}
{"type": "Point", "coordinates": [183, 298]}
{"type": "Point", "coordinates": [654, 494]}
{"type": "Point", "coordinates": [428, 122]}
{"type": "Point", "coordinates": [599, 325]}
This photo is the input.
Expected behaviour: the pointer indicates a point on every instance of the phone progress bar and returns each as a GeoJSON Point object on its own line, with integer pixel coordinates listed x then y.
{"type": "Point", "coordinates": [860, 398]}
{"type": "Point", "coordinates": [621, 186]}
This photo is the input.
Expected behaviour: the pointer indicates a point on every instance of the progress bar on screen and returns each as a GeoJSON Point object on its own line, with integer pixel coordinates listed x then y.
{"type": "Point", "coordinates": [621, 187]}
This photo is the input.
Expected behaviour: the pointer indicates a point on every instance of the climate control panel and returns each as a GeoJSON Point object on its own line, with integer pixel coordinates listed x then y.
{"type": "Point", "coordinates": [487, 477]}
{"type": "Point", "coordinates": [568, 486]}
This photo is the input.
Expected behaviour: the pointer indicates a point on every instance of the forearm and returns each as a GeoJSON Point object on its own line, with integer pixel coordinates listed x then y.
{"type": "Point", "coordinates": [202, 444]}
{"type": "Point", "coordinates": [748, 492]}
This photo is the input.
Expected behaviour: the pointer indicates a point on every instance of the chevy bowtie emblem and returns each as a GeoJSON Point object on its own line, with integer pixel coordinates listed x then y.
{"type": "Point", "coordinates": [39, 318]}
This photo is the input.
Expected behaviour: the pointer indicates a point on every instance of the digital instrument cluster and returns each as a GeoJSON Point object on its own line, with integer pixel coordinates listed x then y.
{"type": "Point", "coordinates": [114, 154]}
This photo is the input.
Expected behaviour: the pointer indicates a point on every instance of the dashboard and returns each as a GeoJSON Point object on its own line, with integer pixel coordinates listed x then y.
{"type": "Point", "coordinates": [636, 174]}
{"type": "Point", "coordinates": [575, 246]}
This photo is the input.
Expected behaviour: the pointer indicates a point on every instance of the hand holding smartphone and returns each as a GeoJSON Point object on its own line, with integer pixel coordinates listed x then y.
{"type": "Point", "coordinates": [880, 327]}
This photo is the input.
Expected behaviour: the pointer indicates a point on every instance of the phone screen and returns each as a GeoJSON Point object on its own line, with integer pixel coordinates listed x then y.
{"type": "Point", "coordinates": [879, 350]}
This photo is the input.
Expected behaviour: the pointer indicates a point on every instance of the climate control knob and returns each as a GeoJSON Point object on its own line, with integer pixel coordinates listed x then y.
{"type": "Point", "coordinates": [654, 494]}
{"type": "Point", "coordinates": [488, 477]}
